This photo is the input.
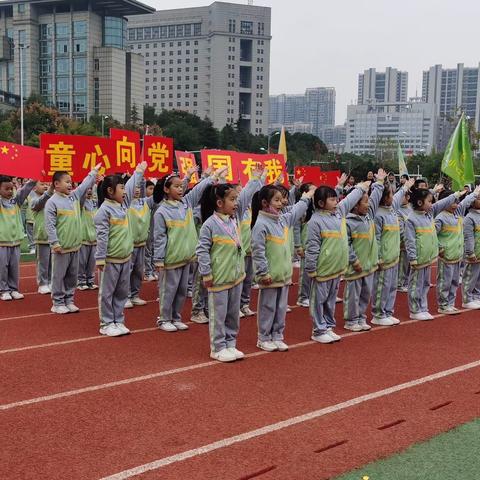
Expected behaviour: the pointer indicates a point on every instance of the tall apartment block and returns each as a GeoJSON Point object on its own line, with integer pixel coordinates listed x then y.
{"type": "Point", "coordinates": [310, 112]}
{"type": "Point", "coordinates": [452, 90]}
{"type": "Point", "coordinates": [74, 53]}
{"type": "Point", "coordinates": [386, 87]}
{"type": "Point", "coordinates": [211, 61]}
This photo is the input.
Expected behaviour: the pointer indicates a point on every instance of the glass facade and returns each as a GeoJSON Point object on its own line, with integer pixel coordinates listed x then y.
{"type": "Point", "coordinates": [167, 31]}
{"type": "Point", "coordinates": [114, 32]}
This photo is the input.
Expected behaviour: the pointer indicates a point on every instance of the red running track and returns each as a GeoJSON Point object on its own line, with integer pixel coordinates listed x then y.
{"type": "Point", "coordinates": [98, 433]}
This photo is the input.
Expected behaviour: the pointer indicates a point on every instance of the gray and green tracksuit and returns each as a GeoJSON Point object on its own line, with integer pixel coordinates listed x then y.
{"type": "Point", "coordinates": [404, 265]}
{"type": "Point", "coordinates": [471, 275]}
{"type": "Point", "coordinates": [449, 228]}
{"type": "Point", "coordinates": [86, 262]}
{"type": "Point", "coordinates": [11, 235]}
{"type": "Point", "coordinates": [422, 249]}
{"type": "Point", "coordinates": [363, 251]}
{"type": "Point", "coordinates": [326, 259]}
{"type": "Point", "coordinates": [221, 258]}
{"type": "Point", "coordinates": [114, 251]}
{"type": "Point", "coordinates": [29, 226]}
{"type": "Point", "coordinates": [64, 229]}
{"type": "Point", "coordinates": [175, 240]}
{"type": "Point", "coordinates": [272, 258]}
{"type": "Point", "coordinates": [44, 252]}
{"type": "Point", "coordinates": [387, 230]}
{"type": "Point", "coordinates": [300, 234]}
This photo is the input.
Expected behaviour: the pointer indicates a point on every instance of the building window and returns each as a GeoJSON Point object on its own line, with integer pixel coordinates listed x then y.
{"type": "Point", "coordinates": [96, 64]}
{"type": "Point", "coordinates": [115, 32]}
{"type": "Point", "coordinates": [63, 66]}
{"type": "Point", "coordinates": [62, 47]}
{"type": "Point", "coordinates": [80, 84]}
{"type": "Point", "coordinates": [62, 30]}
{"type": "Point", "coordinates": [63, 85]}
{"type": "Point", "coordinates": [231, 26]}
{"type": "Point", "coordinates": [246, 28]}
{"type": "Point", "coordinates": [80, 65]}
{"type": "Point", "coordinates": [197, 29]}
{"type": "Point", "coordinates": [79, 29]}
{"type": "Point", "coordinates": [80, 46]}
{"type": "Point", "coordinates": [261, 28]}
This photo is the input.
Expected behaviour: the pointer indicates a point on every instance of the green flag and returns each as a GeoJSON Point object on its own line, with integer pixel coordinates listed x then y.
{"type": "Point", "coordinates": [402, 166]}
{"type": "Point", "coordinates": [457, 161]}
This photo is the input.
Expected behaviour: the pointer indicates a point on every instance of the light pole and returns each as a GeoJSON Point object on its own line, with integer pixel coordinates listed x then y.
{"type": "Point", "coordinates": [104, 117]}
{"type": "Point", "coordinates": [269, 138]}
{"type": "Point", "coordinates": [21, 47]}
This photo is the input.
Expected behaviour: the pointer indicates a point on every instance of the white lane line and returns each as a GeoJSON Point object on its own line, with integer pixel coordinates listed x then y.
{"type": "Point", "coordinates": [165, 373]}
{"type": "Point", "coordinates": [274, 427]}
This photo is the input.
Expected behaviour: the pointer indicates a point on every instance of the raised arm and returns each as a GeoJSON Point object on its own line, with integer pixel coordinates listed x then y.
{"type": "Point", "coordinates": [193, 197]}
{"type": "Point", "coordinates": [38, 204]}
{"type": "Point", "coordinates": [375, 197]}
{"type": "Point", "coordinates": [24, 192]}
{"type": "Point", "coordinates": [398, 199]}
{"type": "Point", "coordinates": [344, 207]}
{"type": "Point", "coordinates": [443, 203]}
{"type": "Point", "coordinates": [467, 202]}
{"type": "Point", "coordinates": [245, 198]}
{"type": "Point", "coordinates": [102, 227]}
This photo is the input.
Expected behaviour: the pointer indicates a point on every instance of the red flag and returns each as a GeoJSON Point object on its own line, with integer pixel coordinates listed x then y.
{"type": "Point", "coordinates": [185, 161]}
{"type": "Point", "coordinates": [158, 153]}
{"type": "Point", "coordinates": [19, 161]}
{"type": "Point", "coordinates": [316, 176]}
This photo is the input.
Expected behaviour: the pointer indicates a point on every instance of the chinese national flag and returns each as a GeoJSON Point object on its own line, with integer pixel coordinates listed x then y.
{"type": "Point", "coordinates": [19, 161]}
{"type": "Point", "coordinates": [316, 176]}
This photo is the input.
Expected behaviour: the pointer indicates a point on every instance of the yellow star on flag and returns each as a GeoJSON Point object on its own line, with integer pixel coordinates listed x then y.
{"type": "Point", "coordinates": [4, 150]}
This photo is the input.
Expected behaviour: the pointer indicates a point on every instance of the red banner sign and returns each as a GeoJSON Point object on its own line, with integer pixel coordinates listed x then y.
{"type": "Point", "coordinates": [240, 166]}
{"type": "Point", "coordinates": [158, 153]}
{"type": "Point", "coordinates": [185, 161]}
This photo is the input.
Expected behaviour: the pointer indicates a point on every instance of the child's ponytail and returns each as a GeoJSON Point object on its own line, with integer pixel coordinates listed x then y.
{"type": "Point", "coordinates": [265, 193]}
{"type": "Point", "coordinates": [208, 202]}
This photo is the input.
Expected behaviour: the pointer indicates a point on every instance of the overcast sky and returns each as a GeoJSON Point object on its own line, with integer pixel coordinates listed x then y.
{"type": "Point", "coordinates": [320, 43]}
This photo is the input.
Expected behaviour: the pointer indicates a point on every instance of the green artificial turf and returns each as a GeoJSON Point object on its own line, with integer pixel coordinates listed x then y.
{"type": "Point", "coordinates": [454, 455]}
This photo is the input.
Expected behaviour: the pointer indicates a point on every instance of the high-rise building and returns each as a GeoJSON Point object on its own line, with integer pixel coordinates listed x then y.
{"type": "Point", "coordinates": [211, 61]}
{"type": "Point", "coordinates": [387, 87]}
{"type": "Point", "coordinates": [334, 138]}
{"type": "Point", "coordinates": [453, 90]}
{"type": "Point", "coordinates": [373, 126]}
{"type": "Point", "coordinates": [73, 53]}
{"type": "Point", "coordinates": [315, 108]}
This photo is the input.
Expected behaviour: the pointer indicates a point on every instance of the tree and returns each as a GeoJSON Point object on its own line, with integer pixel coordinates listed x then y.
{"type": "Point", "coordinates": [134, 115]}
{"type": "Point", "coordinates": [149, 115]}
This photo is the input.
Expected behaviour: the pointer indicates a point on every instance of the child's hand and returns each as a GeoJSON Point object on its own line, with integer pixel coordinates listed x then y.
{"type": "Point", "coordinates": [141, 167]}
{"type": "Point", "coordinates": [342, 179]}
{"type": "Point", "coordinates": [298, 181]}
{"type": "Point", "coordinates": [364, 185]}
{"type": "Point", "coordinates": [300, 252]}
{"type": "Point", "coordinates": [460, 193]}
{"type": "Point", "coordinates": [477, 190]}
{"type": "Point", "coordinates": [207, 172]}
{"type": "Point", "coordinates": [100, 178]}
{"type": "Point", "coordinates": [279, 180]}
{"type": "Point", "coordinates": [258, 170]}
{"type": "Point", "coordinates": [57, 249]}
{"type": "Point", "coordinates": [192, 170]}
{"type": "Point", "coordinates": [100, 267]}
{"type": "Point", "coordinates": [381, 175]}
{"type": "Point", "coordinates": [97, 167]}
{"type": "Point", "coordinates": [266, 280]}
{"type": "Point", "coordinates": [472, 258]}
{"type": "Point", "coordinates": [409, 184]}
{"type": "Point", "coordinates": [159, 268]}
{"type": "Point", "coordinates": [309, 195]}
{"type": "Point", "coordinates": [221, 172]}
{"type": "Point", "coordinates": [357, 267]}
{"type": "Point", "coordinates": [438, 188]}
{"type": "Point", "coordinates": [207, 283]}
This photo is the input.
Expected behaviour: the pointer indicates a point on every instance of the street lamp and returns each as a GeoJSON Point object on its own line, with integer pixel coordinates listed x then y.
{"type": "Point", "coordinates": [21, 48]}
{"type": "Point", "coordinates": [269, 138]}
{"type": "Point", "coordinates": [104, 117]}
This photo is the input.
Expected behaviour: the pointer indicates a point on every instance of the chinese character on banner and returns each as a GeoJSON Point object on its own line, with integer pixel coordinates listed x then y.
{"type": "Point", "coordinates": [92, 158]}
{"type": "Point", "coordinates": [126, 153]}
{"type": "Point", "coordinates": [248, 165]}
{"type": "Point", "coordinates": [221, 159]}
{"type": "Point", "coordinates": [275, 168]}
{"type": "Point", "coordinates": [60, 158]}
{"type": "Point", "coordinates": [186, 161]}
{"type": "Point", "coordinates": [158, 153]}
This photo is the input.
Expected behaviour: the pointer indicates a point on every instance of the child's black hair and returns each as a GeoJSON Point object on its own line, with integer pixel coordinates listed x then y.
{"type": "Point", "coordinates": [149, 183]}
{"type": "Point", "coordinates": [444, 194]}
{"type": "Point", "coordinates": [419, 195]}
{"type": "Point", "coordinates": [321, 195]}
{"type": "Point", "coordinates": [208, 202]}
{"type": "Point", "coordinates": [110, 181]}
{"type": "Point", "coordinates": [265, 193]}
{"type": "Point", "coordinates": [165, 182]}
{"type": "Point", "coordinates": [387, 189]}
{"type": "Point", "coordinates": [304, 188]}
{"type": "Point", "coordinates": [418, 181]}
{"type": "Point", "coordinates": [405, 176]}
{"type": "Point", "coordinates": [5, 179]}
{"type": "Point", "coordinates": [57, 176]}
{"type": "Point", "coordinates": [283, 190]}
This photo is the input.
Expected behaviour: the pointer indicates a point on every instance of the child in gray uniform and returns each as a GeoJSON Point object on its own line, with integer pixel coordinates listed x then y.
{"type": "Point", "coordinates": [272, 259]}
{"type": "Point", "coordinates": [471, 275]}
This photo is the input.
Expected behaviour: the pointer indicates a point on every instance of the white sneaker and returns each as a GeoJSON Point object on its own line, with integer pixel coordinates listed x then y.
{"type": "Point", "coordinates": [189, 294]}
{"type": "Point", "coordinates": [241, 314]}
{"type": "Point", "coordinates": [365, 326]}
{"type": "Point", "coordinates": [138, 301]}
{"type": "Point", "coordinates": [336, 337]}
{"type": "Point", "coordinates": [72, 308]}
{"type": "Point", "coordinates": [150, 278]}
{"type": "Point", "coordinates": [128, 304]}
{"type": "Point", "coordinates": [167, 327]}
{"type": "Point", "coordinates": [281, 345]}
{"type": "Point", "coordinates": [82, 287]}
{"type": "Point", "coordinates": [355, 327]}
{"type": "Point", "coordinates": [402, 289]}
{"type": "Point", "coordinates": [199, 318]}
{"type": "Point", "coordinates": [423, 316]}
{"type": "Point", "coordinates": [238, 354]}
{"type": "Point", "coordinates": [32, 251]}
{"type": "Point", "coordinates": [44, 290]}
{"type": "Point", "coordinates": [122, 328]}
{"type": "Point", "coordinates": [384, 322]}
{"type": "Point", "coordinates": [268, 346]}
{"type": "Point", "coordinates": [338, 300]}
{"type": "Point", "coordinates": [471, 305]}
{"type": "Point", "coordinates": [92, 286]}
{"type": "Point", "coordinates": [111, 330]}
{"type": "Point", "coordinates": [247, 311]}
{"type": "Point", "coordinates": [224, 355]}
{"type": "Point", "coordinates": [255, 286]}
{"type": "Point", "coordinates": [17, 295]}
{"type": "Point", "coordinates": [6, 297]}
{"type": "Point", "coordinates": [394, 320]}
{"type": "Point", "coordinates": [60, 309]}
{"type": "Point", "coordinates": [304, 303]}
{"type": "Point", "coordinates": [289, 309]}
{"type": "Point", "coordinates": [450, 310]}
{"type": "Point", "coordinates": [324, 338]}
{"type": "Point", "coordinates": [180, 325]}
{"type": "Point", "coordinates": [296, 264]}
